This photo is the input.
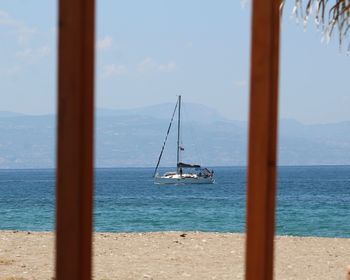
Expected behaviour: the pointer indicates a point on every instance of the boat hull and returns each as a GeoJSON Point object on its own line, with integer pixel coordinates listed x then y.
{"type": "Point", "coordinates": [182, 181]}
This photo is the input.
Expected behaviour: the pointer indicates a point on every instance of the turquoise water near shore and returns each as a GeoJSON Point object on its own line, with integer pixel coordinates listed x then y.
{"type": "Point", "coordinates": [311, 201]}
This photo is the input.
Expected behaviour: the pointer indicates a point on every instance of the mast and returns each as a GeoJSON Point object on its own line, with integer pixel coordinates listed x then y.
{"type": "Point", "coordinates": [178, 136]}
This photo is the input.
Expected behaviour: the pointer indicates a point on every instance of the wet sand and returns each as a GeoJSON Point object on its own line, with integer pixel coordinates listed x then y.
{"type": "Point", "coordinates": [174, 255]}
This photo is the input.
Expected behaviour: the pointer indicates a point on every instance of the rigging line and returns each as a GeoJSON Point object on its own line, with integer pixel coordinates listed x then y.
{"type": "Point", "coordinates": [166, 138]}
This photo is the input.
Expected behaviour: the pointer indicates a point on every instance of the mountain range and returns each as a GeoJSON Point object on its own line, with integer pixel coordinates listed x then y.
{"type": "Point", "coordinates": [134, 137]}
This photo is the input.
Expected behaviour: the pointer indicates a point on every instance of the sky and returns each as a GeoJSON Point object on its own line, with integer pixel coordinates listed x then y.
{"type": "Point", "coordinates": [148, 52]}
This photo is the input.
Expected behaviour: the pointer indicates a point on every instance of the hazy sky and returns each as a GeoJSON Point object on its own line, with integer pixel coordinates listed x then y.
{"type": "Point", "coordinates": [150, 51]}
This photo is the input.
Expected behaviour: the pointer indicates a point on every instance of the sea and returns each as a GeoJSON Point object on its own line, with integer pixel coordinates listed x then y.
{"type": "Point", "coordinates": [311, 201]}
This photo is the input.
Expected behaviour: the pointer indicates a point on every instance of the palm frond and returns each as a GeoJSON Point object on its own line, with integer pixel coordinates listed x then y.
{"type": "Point", "coordinates": [329, 15]}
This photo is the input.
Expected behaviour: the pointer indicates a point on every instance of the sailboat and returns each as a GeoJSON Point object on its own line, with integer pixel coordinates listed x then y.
{"type": "Point", "coordinates": [185, 173]}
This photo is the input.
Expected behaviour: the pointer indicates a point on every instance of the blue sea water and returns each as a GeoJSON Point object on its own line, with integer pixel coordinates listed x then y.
{"type": "Point", "coordinates": [311, 201]}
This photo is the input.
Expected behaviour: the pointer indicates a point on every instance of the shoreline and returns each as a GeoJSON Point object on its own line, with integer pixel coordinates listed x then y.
{"type": "Point", "coordinates": [175, 231]}
{"type": "Point", "coordinates": [174, 255]}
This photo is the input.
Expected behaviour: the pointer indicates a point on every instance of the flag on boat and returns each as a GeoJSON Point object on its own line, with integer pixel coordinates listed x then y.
{"type": "Point", "coordinates": [182, 148]}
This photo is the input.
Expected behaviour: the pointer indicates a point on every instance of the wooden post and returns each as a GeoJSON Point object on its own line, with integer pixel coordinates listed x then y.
{"type": "Point", "coordinates": [262, 140]}
{"type": "Point", "coordinates": [75, 140]}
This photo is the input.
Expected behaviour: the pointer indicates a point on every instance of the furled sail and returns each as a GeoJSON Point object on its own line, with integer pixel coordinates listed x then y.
{"type": "Point", "coordinates": [186, 165]}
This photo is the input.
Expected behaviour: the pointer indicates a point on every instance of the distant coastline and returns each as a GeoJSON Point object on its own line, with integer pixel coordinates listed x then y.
{"type": "Point", "coordinates": [134, 137]}
{"type": "Point", "coordinates": [166, 167]}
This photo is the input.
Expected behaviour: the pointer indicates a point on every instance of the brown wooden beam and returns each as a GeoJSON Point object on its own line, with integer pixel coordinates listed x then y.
{"type": "Point", "coordinates": [75, 139]}
{"type": "Point", "coordinates": [262, 140]}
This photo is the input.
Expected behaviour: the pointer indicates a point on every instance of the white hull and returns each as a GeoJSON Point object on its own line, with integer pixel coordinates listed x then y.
{"type": "Point", "coordinates": [163, 180]}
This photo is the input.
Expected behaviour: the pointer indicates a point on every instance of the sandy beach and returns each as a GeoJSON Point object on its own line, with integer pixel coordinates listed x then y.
{"type": "Point", "coordinates": [174, 255]}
